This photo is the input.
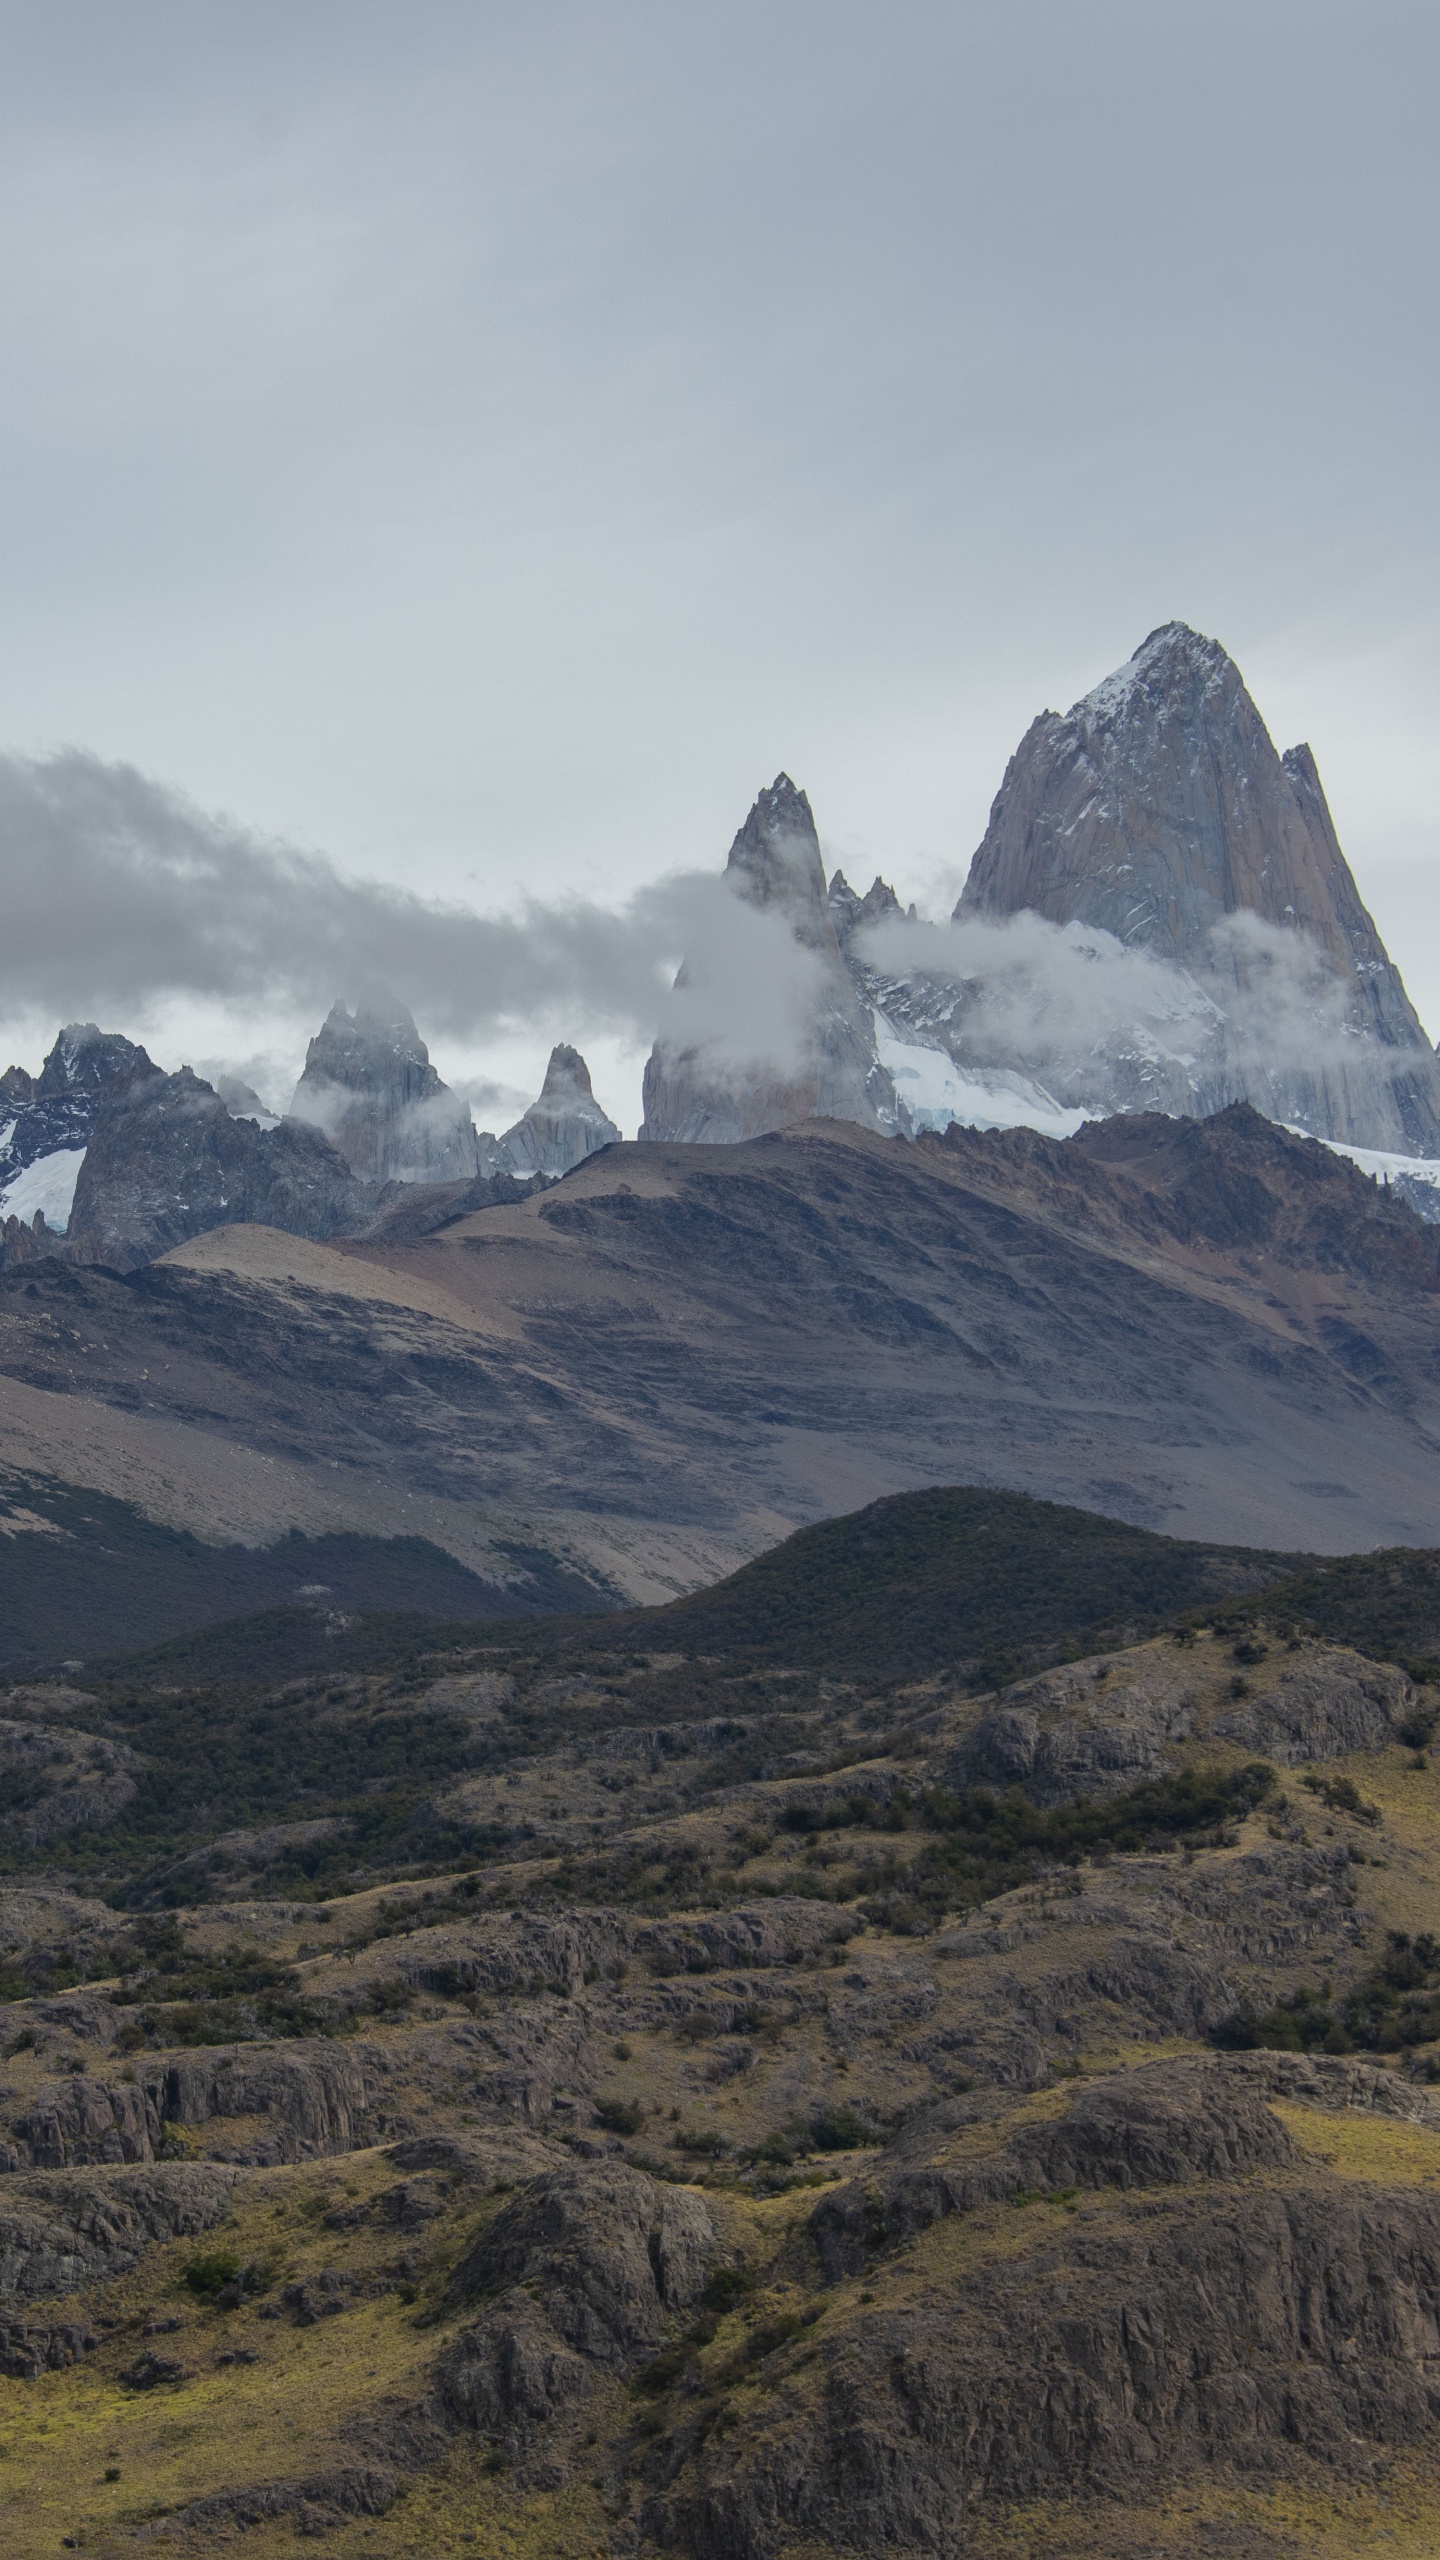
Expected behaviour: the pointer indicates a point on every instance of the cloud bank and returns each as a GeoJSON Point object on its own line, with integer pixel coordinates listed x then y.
{"type": "Point", "coordinates": [1025, 991]}
{"type": "Point", "coordinates": [120, 895]}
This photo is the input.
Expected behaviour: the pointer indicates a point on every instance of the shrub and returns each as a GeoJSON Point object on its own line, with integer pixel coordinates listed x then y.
{"type": "Point", "coordinates": [209, 2274]}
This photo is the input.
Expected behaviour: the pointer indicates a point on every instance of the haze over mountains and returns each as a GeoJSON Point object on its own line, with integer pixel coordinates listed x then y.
{"type": "Point", "coordinates": [1159, 917]}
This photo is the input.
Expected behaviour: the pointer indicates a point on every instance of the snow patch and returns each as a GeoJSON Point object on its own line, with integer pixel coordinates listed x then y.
{"type": "Point", "coordinates": [1379, 1162]}
{"type": "Point", "coordinates": [48, 1184]}
{"type": "Point", "coordinates": [935, 1091]}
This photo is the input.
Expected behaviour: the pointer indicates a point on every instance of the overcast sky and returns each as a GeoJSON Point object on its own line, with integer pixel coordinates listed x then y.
{"type": "Point", "coordinates": [483, 443]}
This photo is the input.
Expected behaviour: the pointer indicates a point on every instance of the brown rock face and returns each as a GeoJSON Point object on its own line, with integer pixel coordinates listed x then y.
{"type": "Point", "coordinates": [775, 865]}
{"type": "Point", "coordinates": [1158, 810]}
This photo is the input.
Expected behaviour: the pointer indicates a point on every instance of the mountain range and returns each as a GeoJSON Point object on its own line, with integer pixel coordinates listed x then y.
{"type": "Point", "coordinates": [1159, 917]}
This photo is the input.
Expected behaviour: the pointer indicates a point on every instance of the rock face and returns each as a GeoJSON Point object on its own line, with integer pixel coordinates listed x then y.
{"type": "Point", "coordinates": [563, 1127]}
{"type": "Point", "coordinates": [46, 1122]}
{"type": "Point", "coordinates": [850, 912]}
{"type": "Point", "coordinates": [1078, 1732]}
{"type": "Point", "coordinates": [583, 2272]}
{"type": "Point", "coordinates": [60, 2232]}
{"type": "Point", "coordinates": [369, 1086]}
{"type": "Point", "coordinates": [1157, 810]}
{"type": "Point", "coordinates": [167, 1161]}
{"type": "Point", "coordinates": [712, 1094]}
{"type": "Point", "coordinates": [1135, 2351]}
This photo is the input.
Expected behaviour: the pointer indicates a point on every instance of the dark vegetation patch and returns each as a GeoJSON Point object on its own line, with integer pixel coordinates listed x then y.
{"type": "Point", "coordinates": [803, 1664]}
{"type": "Point", "coordinates": [1386, 1605]}
{"type": "Point", "coordinates": [986, 1585]}
{"type": "Point", "coordinates": [1392, 2009]}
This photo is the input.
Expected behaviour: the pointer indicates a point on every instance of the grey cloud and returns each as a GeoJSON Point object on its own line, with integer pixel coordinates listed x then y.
{"type": "Point", "coordinates": [122, 895]}
{"type": "Point", "coordinates": [1046, 994]}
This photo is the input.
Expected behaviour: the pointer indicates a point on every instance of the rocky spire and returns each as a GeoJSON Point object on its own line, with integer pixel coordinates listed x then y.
{"type": "Point", "coordinates": [563, 1127]}
{"type": "Point", "coordinates": [775, 862]}
{"type": "Point", "coordinates": [369, 1086]}
{"type": "Point", "coordinates": [1158, 809]}
{"type": "Point", "coordinates": [850, 912]}
{"type": "Point", "coordinates": [719, 1094]}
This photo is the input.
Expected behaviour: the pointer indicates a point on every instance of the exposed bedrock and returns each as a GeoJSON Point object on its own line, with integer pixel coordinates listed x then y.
{"type": "Point", "coordinates": [61, 2232]}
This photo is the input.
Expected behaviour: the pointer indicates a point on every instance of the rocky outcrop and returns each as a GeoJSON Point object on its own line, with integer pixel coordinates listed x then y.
{"type": "Point", "coordinates": [46, 1123]}
{"type": "Point", "coordinates": [1158, 811]}
{"type": "Point", "coordinates": [314, 2505]}
{"type": "Point", "coordinates": [29, 2348]}
{"type": "Point", "coordinates": [583, 2273]}
{"type": "Point", "coordinates": [64, 2231]}
{"type": "Point", "coordinates": [714, 1092]}
{"type": "Point", "coordinates": [1161, 2126]}
{"type": "Point", "coordinates": [167, 1161]}
{"type": "Point", "coordinates": [81, 2123]}
{"type": "Point", "coordinates": [1097, 1728]}
{"type": "Point", "coordinates": [1336, 1703]}
{"type": "Point", "coordinates": [368, 1085]}
{"type": "Point", "coordinates": [1117, 2359]}
{"type": "Point", "coordinates": [561, 1128]}
{"type": "Point", "coordinates": [316, 2098]}
{"type": "Point", "coordinates": [1070, 1733]}
{"type": "Point", "coordinates": [52, 1780]}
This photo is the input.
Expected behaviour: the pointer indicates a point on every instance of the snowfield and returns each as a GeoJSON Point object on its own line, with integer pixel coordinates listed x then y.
{"type": "Point", "coordinates": [48, 1184]}
{"type": "Point", "coordinates": [935, 1091]}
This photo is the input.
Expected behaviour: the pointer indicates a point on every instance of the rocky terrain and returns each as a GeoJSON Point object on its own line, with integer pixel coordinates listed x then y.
{"type": "Point", "coordinates": [613, 2091]}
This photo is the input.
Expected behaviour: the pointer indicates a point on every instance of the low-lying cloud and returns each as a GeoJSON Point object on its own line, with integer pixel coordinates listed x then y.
{"type": "Point", "coordinates": [1025, 990]}
{"type": "Point", "coordinates": [122, 897]}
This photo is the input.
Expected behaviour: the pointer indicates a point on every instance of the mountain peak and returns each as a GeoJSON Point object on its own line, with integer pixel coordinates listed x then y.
{"type": "Point", "coordinates": [1172, 660]}
{"type": "Point", "coordinates": [1157, 810]}
{"type": "Point", "coordinates": [566, 1072]}
{"type": "Point", "coordinates": [368, 1084]}
{"type": "Point", "coordinates": [561, 1128]}
{"type": "Point", "coordinates": [775, 862]}
{"type": "Point", "coordinates": [850, 912]}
